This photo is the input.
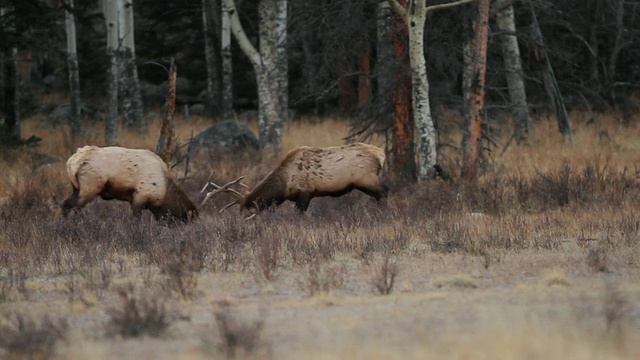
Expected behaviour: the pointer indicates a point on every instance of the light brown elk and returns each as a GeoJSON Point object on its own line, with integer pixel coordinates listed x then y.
{"type": "Point", "coordinates": [309, 172]}
{"type": "Point", "coordinates": [137, 176]}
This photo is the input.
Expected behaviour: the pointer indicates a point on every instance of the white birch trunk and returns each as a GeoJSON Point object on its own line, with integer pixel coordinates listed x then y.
{"type": "Point", "coordinates": [505, 21]}
{"type": "Point", "coordinates": [131, 99]}
{"type": "Point", "coordinates": [265, 64]}
{"type": "Point", "coordinates": [269, 92]}
{"type": "Point", "coordinates": [426, 132]}
{"type": "Point", "coordinates": [227, 66]}
{"type": "Point", "coordinates": [111, 135]}
{"type": "Point", "coordinates": [74, 76]}
{"type": "Point", "coordinates": [415, 16]}
{"type": "Point", "coordinates": [282, 65]}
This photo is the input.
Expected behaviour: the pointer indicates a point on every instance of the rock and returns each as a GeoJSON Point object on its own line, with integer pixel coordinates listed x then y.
{"type": "Point", "coordinates": [198, 110]}
{"type": "Point", "coordinates": [60, 114]}
{"type": "Point", "coordinates": [226, 134]}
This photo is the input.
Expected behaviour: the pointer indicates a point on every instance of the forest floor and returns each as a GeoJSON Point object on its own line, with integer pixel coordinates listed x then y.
{"type": "Point", "coordinates": [540, 259]}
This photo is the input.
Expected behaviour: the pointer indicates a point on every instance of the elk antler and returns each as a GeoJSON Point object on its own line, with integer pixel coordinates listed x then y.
{"type": "Point", "coordinates": [228, 206]}
{"type": "Point", "coordinates": [223, 188]}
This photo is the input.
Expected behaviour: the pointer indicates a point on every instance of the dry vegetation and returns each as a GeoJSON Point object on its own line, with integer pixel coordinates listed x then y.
{"type": "Point", "coordinates": [538, 260]}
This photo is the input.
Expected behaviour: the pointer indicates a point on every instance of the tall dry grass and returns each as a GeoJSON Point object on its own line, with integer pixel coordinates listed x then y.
{"type": "Point", "coordinates": [451, 258]}
{"type": "Point", "coordinates": [599, 138]}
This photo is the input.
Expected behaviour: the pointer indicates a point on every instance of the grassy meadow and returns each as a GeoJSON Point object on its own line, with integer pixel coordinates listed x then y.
{"type": "Point", "coordinates": [539, 259]}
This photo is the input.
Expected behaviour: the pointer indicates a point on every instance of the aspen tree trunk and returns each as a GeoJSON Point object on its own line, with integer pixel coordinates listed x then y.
{"type": "Point", "coordinates": [129, 92]}
{"type": "Point", "coordinates": [414, 15]}
{"type": "Point", "coordinates": [427, 156]}
{"type": "Point", "coordinates": [265, 63]}
{"type": "Point", "coordinates": [505, 20]}
{"type": "Point", "coordinates": [210, 22]}
{"type": "Point", "coordinates": [282, 65]}
{"type": "Point", "coordinates": [74, 76]}
{"type": "Point", "coordinates": [111, 136]}
{"type": "Point", "coordinates": [473, 133]}
{"type": "Point", "coordinates": [549, 78]}
{"type": "Point", "coordinates": [227, 66]}
{"type": "Point", "coordinates": [268, 92]}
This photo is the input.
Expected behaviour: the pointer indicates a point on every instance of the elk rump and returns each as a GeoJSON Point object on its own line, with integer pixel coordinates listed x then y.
{"type": "Point", "coordinates": [137, 176]}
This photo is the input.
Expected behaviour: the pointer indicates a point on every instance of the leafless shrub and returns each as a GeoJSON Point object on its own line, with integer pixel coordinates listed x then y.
{"type": "Point", "coordinates": [320, 246]}
{"type": "Point", "coordinates": [597, 258]}
{"type": "Point", "coordinates": [13, 284]}
{"type": "Point", "coordinates": [97, 280]}
{"type": "Point", "coordinates": [615, 310]}
{"type": "Point", "coordinates": [323, 279]}
{"type": "Point", "coordinates": [73, 288]}
{"type": "Point", "coordinates": [24, 338]}
{"type": "Point", "coordinates": [181, 277]}
{"type": "Point", "coordinates": [267, 254]}
{"type": "Point", "coordinates": [138, 315]}
{"type": "Point", "coordinates": [425, 200]}
{"type": "Point", "coordinates": [237, 338]}
{"type": "Point", "coordinates": [384, 276]}
{"type": "Point", "coordinates": [233, 235]}
{"type": "Point", "coordinates": [629, 227]}
{"type": "Point", "coordinates": [33, 197]}
{"type": "Point", "coordinates": [554, 188]}
{"type": "Point", "coordinates": [452, 236]}
{"type": "Point", "coordinates": [458, 281]}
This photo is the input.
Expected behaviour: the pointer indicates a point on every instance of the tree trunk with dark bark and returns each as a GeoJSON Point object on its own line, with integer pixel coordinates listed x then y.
{"type": "Point", "coordinates": [346, 87]}
{"type": "Point", "coordinates": [11, 104]}
{"type": "Point", "coordinates": [473, 133]}
{"type": "Point", "coordinates": [211, 26]}
{"type": "Point", "coordinates": [364, 71]}
{"type": "Point", "coordinates": [403, 164]}
{"type": "Point", "coordinates": [164, 148]}
{"type": "Point", "coordinates": [75, 124]}
{"type": "Point", "coordinates": [549, 78]}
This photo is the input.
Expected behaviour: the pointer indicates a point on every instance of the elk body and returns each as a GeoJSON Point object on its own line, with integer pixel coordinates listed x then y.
{"type": "Point", "coordinates": [309, 172]}
{"type": "Point", "coordinates": [137, 176]}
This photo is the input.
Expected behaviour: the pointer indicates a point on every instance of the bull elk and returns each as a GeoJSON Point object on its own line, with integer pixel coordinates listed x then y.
{"type": "Point", "coordinates": [309, 172]}
{"type": "Point", "coordinates": [137, 176]}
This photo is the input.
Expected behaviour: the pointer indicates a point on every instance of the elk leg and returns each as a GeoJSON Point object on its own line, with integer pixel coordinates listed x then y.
{"type": "Point", "coordinates": [377, 194]}
{"type": "Point", "coordinates": [138, 203]}
{"type": "Point", "coordinates": [70, 203]}
{"type": "Point", "coordinates": [78, 199]}
{"type": "Point", "coordinates": [302, 202]}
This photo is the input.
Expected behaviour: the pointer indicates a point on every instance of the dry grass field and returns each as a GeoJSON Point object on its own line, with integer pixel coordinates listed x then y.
{"type": "Point", "coordinates": [540, 259]}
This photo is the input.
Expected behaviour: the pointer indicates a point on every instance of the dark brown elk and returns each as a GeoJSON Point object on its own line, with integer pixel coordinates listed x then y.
{"type": "Point", "coordinates": [309, 172]}
{"type": "Point", "coordinates": [137, 176]}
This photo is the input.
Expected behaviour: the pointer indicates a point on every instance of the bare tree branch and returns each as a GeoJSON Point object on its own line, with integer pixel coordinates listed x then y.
{"type": "Point", "coordinates": [447, 5]}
